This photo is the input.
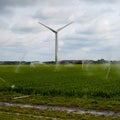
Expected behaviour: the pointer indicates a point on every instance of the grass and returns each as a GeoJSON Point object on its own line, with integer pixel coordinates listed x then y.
{"type": "Point", "coordinates": [87, 87]}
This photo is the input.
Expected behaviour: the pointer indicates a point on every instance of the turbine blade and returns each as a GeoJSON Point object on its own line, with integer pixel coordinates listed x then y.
{"type": "Point", "coordinates": [64, 26]}
{"type": "Point", "coordinates": [47, 27]}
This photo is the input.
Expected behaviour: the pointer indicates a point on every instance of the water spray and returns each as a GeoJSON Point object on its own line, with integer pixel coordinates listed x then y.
{"type": "Point", "coordinates": [83, 64]}
{"type": "Point", "coordinates": [20, 62]}
{"type": "Point", "coordinates": [7, 83]}
{"type": "Point", "coordinates": [2, 80]}
{"type": "Point", "coordinates": [109, 68]}
{"type": "Point", "coordinates": [12, 88]}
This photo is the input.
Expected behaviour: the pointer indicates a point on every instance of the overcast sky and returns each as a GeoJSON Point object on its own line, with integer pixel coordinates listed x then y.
{"type": "Point", "coordinates": [95, 33]}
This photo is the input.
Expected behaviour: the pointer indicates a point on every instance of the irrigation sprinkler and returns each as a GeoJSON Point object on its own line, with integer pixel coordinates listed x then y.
{"type": "Point", "coordinates": [56, 38]}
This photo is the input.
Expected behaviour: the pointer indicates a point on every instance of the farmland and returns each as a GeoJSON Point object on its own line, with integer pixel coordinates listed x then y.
{"type": "Point", "coordinates": [87, 87]}
{"type": "Point", "coordinates": [61, 80]}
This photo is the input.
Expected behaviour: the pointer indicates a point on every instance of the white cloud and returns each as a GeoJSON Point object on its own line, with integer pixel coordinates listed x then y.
{"type": "Point", "coordinates": [94, 33]}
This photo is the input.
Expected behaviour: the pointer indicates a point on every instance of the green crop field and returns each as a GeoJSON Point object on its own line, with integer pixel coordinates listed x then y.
{"type": "Point", "coordinates": [73, 84]}
{"type": "Point", "coordinates": [91, 81]}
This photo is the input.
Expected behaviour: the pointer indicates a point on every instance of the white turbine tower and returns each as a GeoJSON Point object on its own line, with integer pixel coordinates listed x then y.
{"type": "Point", "coordinates": [56, 38]}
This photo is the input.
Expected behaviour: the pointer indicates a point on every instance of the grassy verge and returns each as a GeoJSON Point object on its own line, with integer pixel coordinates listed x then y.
{"type": "Point", "coordinates": [109, 104]}
{"type": "Point", "coordinates": [5, 116]}
{"type": "Point", "coordinates": [25, 114]}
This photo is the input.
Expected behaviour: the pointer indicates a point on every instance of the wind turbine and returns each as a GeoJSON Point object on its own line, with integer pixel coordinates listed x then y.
{"type": "Point", "coordinates": [56, 38]}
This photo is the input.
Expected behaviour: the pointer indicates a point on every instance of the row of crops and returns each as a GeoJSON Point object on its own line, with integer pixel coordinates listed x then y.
{"type": "Point", "coordinates": [63, 80]}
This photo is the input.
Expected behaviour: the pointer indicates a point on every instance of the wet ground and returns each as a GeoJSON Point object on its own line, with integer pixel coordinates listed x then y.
{"type": "Point", "coordinates": [59, 108]}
